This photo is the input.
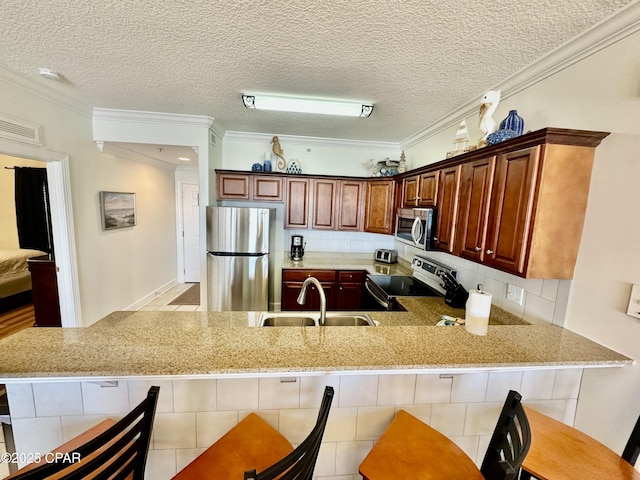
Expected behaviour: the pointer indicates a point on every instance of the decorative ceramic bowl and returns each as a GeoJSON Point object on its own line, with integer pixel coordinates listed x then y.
{"type": "Point", "coordinates": [500, 136]}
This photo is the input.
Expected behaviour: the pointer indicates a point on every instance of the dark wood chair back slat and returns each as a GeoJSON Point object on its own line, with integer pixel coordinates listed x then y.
{"type": "Point", "coordinates": [300, 463]}
{"type": "Point", "coordinates": [119, 453]}
{"type": "Point", "coordinates": [509, 443]}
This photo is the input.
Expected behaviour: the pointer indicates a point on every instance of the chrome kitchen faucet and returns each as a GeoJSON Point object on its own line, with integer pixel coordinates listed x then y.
{"type": "Point", "coordinates": [302, 297]}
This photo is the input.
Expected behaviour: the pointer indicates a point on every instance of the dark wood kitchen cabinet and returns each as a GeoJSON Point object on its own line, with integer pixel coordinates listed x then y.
{"type": "Point", "coordinates": [420, 190]}
{"type": "Point", "coordinates": [323, 204]}
{"type": "Point", "coordinates": [349, 289]}
{"type": "Point", "coordinates": [379, 206]}
{"type": "Point", "coordinates": [448, 188]}
{"type": "Point", "coordinates": [292, 280]}
{"type": "Point", "coordinates": [296, 203]}
{"type": "Point", "coordinates": [522, 211]}
{"type": "Point", "coordinates": [260, 188]}
{"type": "Point", "coordinates": [349, 205]}
{"type": "Point", "coordinates": [476, 181]}
{"type": "Point", "coordinates": [231, 186]}
{"type": "Point", "coordinates": [342, 288]}
{"type": "Point", "coordinates": [510, 210]}
{"type": "Point", "coordinates": [44, 283]}
{"type": "Point", "coordinates": [267, 188]}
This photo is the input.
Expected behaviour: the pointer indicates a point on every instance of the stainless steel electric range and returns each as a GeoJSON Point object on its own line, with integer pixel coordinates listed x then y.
{"type": "Point", "coordinates": [429, 279]}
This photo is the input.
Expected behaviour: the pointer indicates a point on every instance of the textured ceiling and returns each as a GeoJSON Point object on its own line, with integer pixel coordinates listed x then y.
{"type": "Point", "coordinates": [415, 60]}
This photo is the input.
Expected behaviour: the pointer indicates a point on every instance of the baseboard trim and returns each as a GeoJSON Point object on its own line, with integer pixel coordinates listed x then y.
{"type": "Point", "coordinates": [153, 294]}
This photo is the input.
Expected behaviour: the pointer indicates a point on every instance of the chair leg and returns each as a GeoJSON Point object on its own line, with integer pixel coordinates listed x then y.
{"type": "Point", "coordinates": [524, 475]}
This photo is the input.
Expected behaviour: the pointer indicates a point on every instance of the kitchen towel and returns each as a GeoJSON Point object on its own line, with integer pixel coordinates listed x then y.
{"type": "Point", "coordinates": [477, 312]}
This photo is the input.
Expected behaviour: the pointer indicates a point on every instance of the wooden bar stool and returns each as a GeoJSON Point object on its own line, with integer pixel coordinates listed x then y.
{"type": "Point", "coordinates": [560, 452]}
{"type": "Point", "coordinates": [254, 445]}
{"type": "Point", "coordinates": [113, 450]}
{"type": "Point", "coordinates": [411, 449]}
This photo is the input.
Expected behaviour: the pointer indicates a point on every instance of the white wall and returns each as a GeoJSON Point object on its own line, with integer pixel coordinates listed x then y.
{"type": "Point", "coordinates": [317, 156]}
{"type": "Point", "coordinates": [117, 267]}
{"type": "Point", "coordinates": [600, 92]}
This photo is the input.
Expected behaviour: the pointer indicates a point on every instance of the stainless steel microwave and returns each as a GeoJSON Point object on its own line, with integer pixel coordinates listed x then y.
{"type": "Point", "coordinates": [417, 227]}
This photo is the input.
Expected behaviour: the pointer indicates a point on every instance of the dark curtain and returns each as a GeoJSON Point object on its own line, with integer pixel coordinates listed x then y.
{"type": "Point", "coordinates": [33, 215]}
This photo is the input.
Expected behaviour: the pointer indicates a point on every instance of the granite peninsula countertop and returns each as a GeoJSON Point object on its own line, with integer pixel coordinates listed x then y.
{"type": "Point", "coordinates": [219, 344]}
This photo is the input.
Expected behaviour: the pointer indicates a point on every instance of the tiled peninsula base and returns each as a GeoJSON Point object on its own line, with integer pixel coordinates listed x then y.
{"type": "Point", "coordinates": [194, 413]}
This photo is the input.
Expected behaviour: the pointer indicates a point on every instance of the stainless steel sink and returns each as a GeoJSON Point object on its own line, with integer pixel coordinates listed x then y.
{"type": "Point", "coordinates": [275, 321]}
{"type": "Point", "coordinates": [311, 319]}
{"type": "Point", "coordinates": [347, 320]}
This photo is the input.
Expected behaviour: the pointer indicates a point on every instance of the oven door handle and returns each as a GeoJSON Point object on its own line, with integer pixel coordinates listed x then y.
{"type": "Point", "coordinates": [375, 297]}
{"type": "Point", "coordinates": [416, 230]}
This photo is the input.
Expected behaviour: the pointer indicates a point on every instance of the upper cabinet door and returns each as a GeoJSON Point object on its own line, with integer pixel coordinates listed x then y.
{"type": "Point", "coordinates": [349, 205]}
{"type": "Point", "coordinates": [379, 206]}
{"type": "Point", "coordinates": [296, 203]}
{"type": "Point", "coordinates": [428, 189]}
{"type": "Point", "coordinates": [232, 187]}
{"type": "Point", "coordinates": [410, 191]}
{"type": "Point", "coordinates": [267, 188]}
{"type": "Point", "coordinates": [510, 214]}
{"type": "Point", "coordinates": [323, 200]}
{"type": "Point", "coordinates": [476, 180]}
{"type": "Point", "coordinates": [447, 208]}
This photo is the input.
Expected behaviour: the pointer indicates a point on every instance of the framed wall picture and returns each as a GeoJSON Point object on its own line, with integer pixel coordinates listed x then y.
{"type": "Point", "coordinates": [118, 210]}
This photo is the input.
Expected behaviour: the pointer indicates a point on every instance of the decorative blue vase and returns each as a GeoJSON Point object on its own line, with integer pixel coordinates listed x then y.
{"type": "Point", "coordinates": [267, 165]}
{"type": "Point", "coordinates": [513, 122]}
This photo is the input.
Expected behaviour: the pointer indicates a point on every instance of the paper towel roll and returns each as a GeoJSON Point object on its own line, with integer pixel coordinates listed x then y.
{"type": "Point", "coordinates": [477, 312]}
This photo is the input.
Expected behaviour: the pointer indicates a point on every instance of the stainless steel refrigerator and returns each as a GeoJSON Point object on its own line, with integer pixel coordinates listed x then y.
{"type": "Point", "coordinates": [237, 258]}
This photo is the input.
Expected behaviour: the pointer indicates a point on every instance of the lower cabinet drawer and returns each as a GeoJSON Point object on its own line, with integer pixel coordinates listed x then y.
{"type": "Point", "coordinates": [301, 274]}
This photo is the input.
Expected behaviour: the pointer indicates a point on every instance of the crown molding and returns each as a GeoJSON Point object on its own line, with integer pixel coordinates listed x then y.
{"type": "Point", "coordinates": [602, 35]}
{"type": "Point", "coordinates": [309, 141]}
{"type": "Point", "coordinates": [178, 119]}
{"type": "Point", "coordinates": [45, 92]}
{"type": "Point", "coordinates": [117, 151]}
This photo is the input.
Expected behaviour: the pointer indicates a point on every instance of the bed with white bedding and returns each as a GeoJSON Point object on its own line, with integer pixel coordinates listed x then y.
{"type": "Point", "coordinates": [15, 278]}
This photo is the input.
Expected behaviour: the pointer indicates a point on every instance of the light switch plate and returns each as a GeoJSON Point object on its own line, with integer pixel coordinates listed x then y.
{"type": "Point", "coordinates": [515, 294]}
{"type": "Point", "coordinates": [634, 301]}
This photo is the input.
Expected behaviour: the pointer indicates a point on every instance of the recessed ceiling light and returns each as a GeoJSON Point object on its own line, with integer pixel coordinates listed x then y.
{"type": "Point", "coordinates": [307, 105]}
{"type": "Point", "coordinates": [184, 159]}
{"type": "Point", "coordinates": [48, 73]}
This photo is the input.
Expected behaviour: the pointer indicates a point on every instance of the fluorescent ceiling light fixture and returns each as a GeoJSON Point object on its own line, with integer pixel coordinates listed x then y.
{"type": "Point", "coordinates": [184, 159]}
{"type": "Point", "coordinates": [307, 105]}
{"type": "Point", "coordinates": [48, 73]}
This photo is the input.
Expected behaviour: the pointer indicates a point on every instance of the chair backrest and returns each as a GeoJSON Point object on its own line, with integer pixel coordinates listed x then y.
{"type": "Point", "coordinates": [300, 463]}
{"type": "Point", "coordinates": [632, 449]}
{"type": "Point", "coordinates": [509, 443]}
{"type": "Point", "coordinates": [118, 453]}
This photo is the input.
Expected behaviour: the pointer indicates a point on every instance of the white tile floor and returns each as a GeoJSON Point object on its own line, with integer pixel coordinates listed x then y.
{"type": "Point", "coordinates": [161, 302]}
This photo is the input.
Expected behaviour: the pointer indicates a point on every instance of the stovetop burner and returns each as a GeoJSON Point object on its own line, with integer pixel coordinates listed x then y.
{"type": "Point", "coordinates": [403, 286]}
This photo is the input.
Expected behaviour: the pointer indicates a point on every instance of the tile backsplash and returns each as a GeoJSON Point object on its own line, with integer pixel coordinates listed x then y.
{"type": "Point", "coordinates": [545, 301]}
{"type": "Point", "coordinates": [193, 413]}
{"type": "Point", "coordinates": [333, 241]}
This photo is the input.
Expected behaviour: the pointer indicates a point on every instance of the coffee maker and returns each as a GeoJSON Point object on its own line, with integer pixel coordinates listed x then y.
{"type": "Point", "coordinates": [297, 248]}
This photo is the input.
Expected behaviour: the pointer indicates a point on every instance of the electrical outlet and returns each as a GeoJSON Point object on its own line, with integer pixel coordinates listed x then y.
{"type": "Point", "coordinates": [515, 294]}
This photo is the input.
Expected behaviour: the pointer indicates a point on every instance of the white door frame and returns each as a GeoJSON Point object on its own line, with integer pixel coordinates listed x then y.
{"type": "Point", "coordinates": [59, 184]}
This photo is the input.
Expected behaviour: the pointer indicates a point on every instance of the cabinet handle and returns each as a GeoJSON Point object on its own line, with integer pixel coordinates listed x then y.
{"type": "Point", "coordinates": [489, 252]}
{"type": "Point", "coordinates": [478, 249]}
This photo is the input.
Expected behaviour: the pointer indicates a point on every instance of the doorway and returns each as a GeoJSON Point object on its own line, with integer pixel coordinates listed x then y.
{"type": "Point", "coordinates": [61, 222]}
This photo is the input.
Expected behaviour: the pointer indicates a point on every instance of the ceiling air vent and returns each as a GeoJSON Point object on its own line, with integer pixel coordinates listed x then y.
{"type": "Point", "coordinates": [19, 130]}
